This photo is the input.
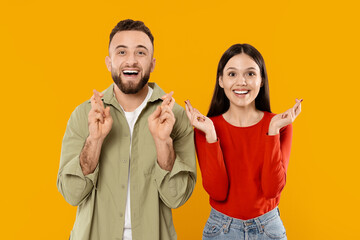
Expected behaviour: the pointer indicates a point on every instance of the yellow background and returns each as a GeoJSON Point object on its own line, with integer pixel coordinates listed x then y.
{"type": "Point", "coordinates": [52, 56]}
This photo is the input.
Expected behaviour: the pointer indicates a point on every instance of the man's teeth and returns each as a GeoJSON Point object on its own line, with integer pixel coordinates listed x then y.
{"type": "Point", "coordinates": [130, 72]}
{"type": "Point", "coordinates": [241, 92]}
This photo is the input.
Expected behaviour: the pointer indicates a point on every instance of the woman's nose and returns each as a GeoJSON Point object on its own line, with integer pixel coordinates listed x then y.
{"type": "Point", "coordinates": [243, 81]}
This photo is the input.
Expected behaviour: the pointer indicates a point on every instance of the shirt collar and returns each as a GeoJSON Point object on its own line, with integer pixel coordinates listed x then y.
{"type": "Point", "coordinates": [110, 99]}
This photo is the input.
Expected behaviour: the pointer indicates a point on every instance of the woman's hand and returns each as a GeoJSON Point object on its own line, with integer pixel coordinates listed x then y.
{"type": "Point", "coordinates": [201, 122]}
{"type": "Point", "coordinates": [283, 119]}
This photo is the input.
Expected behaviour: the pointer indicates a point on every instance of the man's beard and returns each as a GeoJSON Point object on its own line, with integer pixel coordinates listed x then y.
{"type": "Point", "coordinates": [130, 88]}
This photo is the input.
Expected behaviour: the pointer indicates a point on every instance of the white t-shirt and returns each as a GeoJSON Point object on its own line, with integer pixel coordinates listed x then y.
{"type": "Point", "coordinates": [131, 118]}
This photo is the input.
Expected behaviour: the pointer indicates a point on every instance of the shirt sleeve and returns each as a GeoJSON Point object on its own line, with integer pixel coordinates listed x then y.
{"type": "Point", "coordinates": [176, 186]}
{"type": "Point", "coordinates": [276, 161]}
{"type": "Point", "coordinates": [212, 166]}
{"type": "Point", "coordinates": [71, 182]}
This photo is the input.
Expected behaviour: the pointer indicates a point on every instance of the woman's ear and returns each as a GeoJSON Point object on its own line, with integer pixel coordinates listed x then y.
{"type": "Point", "coordinates": [221, 83]}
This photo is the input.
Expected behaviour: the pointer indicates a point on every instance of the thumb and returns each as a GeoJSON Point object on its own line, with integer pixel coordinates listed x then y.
{"type": "Point", "coordinates": [107, 112]}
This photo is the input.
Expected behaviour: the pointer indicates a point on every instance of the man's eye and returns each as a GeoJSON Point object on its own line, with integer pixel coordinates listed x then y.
{"type": "Point", "coordinates": [121, 52]}
{"type": "Point", "coordinates": [141, 53]}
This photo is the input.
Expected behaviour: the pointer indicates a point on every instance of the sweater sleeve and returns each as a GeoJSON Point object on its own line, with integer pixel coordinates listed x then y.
{"type": "Point", "coordinates": [276, 160]}
{"type": "Point", "coordinates": [212, 166]}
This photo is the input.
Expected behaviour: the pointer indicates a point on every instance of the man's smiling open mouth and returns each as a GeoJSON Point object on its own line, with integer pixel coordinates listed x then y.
{"type": "Point", "coordinates": [130, 72]}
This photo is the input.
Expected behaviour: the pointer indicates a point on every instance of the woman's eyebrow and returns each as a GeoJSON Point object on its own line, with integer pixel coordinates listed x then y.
{"type": "Point", "coordinates": [251, 68]}
{"type": "Point", "coordinates": [234, 68]}
{"type": "Point", "coordinates": [230, 68]}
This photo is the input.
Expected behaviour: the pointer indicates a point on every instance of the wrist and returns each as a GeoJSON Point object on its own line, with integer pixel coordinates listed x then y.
{"type": "Point", "coordinates": [165, 153]}
{"type": "Point", "coordinates": [211, 136]}
{"type": "Point", "coordinates": [160, 141]}
{"type": "Point", "coordinates": [94, 141]}
{"type": "Point", "coordinates": [273, 130]}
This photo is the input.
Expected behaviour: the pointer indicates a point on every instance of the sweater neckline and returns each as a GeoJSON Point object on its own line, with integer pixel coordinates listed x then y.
{"type": "Point", "coordinates": [247, 127]}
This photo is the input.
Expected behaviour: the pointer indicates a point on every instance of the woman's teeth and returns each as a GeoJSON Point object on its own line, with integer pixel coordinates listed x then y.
{"type": "Point", "coordinates": [241, 92]}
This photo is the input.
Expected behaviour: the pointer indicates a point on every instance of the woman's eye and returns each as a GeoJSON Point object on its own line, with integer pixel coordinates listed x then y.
{"type": "Point", "coordinates": [251, 74]}
{"type": "Point", "coordinates": [231, 74]}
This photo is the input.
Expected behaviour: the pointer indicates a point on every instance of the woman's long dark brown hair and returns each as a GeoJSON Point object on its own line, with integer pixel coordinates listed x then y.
{"type": "Point", "coordinates": [220, 103]}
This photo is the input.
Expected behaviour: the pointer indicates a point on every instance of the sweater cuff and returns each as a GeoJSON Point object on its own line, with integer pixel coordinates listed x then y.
{"type": "Point", "coordinates": [272, 138]}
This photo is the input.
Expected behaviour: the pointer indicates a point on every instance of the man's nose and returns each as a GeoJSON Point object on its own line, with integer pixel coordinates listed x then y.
{"type": "Point", "coordinates": [131, 59]}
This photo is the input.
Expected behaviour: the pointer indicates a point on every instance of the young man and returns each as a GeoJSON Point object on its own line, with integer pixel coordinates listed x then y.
{"type": "Point", "coordinates": [128, 154]}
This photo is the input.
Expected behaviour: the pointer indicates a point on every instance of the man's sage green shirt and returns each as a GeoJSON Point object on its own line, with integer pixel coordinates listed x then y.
{"type": "Point", "coordinates": [101, 195]}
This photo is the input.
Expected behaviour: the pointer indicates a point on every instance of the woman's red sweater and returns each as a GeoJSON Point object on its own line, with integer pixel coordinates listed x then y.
{"type": "Point", "coordinates": [244, 172]}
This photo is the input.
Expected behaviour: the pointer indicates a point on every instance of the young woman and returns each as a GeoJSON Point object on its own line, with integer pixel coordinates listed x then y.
{"type": "Point", "coordinates": [243, 150]}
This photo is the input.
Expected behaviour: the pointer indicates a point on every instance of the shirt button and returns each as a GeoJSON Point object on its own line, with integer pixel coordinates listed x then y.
{"type": "Point", "coordinates": [121, 214]}
{"type": "Point", "coordinates": [123, 186]}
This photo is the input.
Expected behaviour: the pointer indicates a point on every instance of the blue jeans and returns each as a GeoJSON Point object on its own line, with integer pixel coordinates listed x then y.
{"type": "Point", "coordinates": [265, 227]}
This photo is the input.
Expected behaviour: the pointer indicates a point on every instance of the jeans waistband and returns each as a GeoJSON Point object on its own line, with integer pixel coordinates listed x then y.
{"type": "Point", "coordinates": [257, 222]}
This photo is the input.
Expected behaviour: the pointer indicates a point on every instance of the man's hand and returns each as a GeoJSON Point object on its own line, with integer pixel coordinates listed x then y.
{"type": "Point", "coordinates": [100, 123]}
{"type": "Point", "coordinates": [283, 119]}
{"type": "Point", "coordinates": [161, 123]}
{"type": "Point", "coordinates": [162, 120]}
{"type": "Point", "coordinates": [99, 119]}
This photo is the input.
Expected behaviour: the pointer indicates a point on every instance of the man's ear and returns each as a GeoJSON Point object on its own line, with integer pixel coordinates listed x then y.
{"type": "Point", "coordinates": [153, 62]}
{"type": "Point", "coordinates": [108, 63]}
{"type": "Point", "coordinates": [221, 83]}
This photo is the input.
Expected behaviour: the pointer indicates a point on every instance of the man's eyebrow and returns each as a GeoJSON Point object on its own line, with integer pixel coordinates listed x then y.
{"type": "Point", "coordinates": [121, 46]}
{"type": "Point", "coordinates": [142, 46]}
{"type": "Point", "coordinates": [138, 46]}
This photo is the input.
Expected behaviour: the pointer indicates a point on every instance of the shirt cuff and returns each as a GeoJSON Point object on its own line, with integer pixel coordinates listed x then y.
{"type": "Point", "coordinates": [74, 168]}
{"type": "Point", "coordinates": [179, 166]}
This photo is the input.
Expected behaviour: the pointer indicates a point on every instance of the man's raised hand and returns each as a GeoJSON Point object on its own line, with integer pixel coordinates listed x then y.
{"type": "Point", "coordinates": [162, 120]}
{"type": "Point", "coordinates": [99, 118]}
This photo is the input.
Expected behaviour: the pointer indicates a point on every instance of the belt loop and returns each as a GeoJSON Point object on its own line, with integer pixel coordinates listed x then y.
{"type": "Point", "coordinates": [259, 225]}
{"type": "Point", "coordinates": [227, 225]}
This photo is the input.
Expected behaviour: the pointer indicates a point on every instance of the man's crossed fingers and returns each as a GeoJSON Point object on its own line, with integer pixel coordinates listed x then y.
{"type": "Point", "coordinates": [97, 106]}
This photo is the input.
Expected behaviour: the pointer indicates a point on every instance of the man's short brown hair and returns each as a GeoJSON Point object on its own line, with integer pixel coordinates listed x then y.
{"type": "Point", "coordinates": [131, 25]}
